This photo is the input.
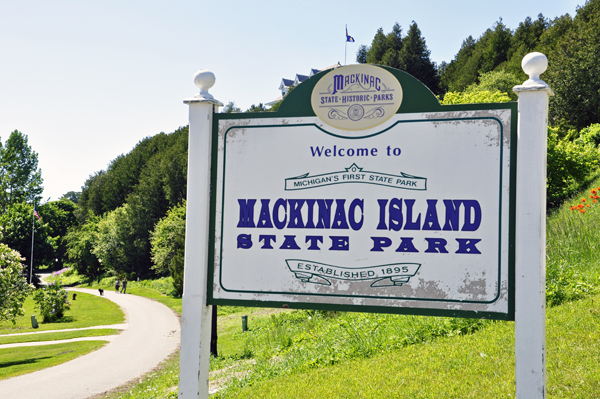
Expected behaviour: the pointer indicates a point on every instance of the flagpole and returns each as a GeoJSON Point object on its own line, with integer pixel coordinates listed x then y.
{"type": "Point", "coordinates": [32, 237]}
{"type": "Point", "coordinates": [346, 45]}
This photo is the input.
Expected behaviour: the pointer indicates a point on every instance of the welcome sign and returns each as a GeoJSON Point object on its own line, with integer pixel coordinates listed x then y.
{"type": "Point", "coordinates": [363, 193]}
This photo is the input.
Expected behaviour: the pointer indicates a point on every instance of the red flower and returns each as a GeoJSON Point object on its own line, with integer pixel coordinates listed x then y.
{"type": "Point", "coordinates": [588, 205]}
{"type": "Point", "coordinates": [583, 200]}
{"type": "Point", "coordinates": [593, 191]}
{"type": "Point", "coordinates": [582, 211]}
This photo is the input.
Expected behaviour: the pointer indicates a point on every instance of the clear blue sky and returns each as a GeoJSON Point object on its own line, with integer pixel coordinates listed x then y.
{"type": "Point", "coordinates": [87, 80]}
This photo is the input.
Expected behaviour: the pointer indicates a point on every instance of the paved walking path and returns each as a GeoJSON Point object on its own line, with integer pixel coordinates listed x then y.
{"type": "Point", "coordinates": [151, 334]}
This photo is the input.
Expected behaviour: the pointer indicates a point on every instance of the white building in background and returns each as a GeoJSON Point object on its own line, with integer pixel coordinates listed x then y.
{"type": "Point", "coordinates": [287, 83]}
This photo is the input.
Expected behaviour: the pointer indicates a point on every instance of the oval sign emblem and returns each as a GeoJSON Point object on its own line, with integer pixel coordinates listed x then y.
{"type": "Point", "coordinates": [356, 97]}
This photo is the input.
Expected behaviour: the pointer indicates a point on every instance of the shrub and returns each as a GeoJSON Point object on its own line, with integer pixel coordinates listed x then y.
{"type": "Point", "coordinates": [590, 135]}
{"type": "Point", "coordinates": [475, 97]}
{"type": "Point", "coordinates": [565, 284]}
{"type": "Point", "coordinates": [13, 285]}
{"type": "Point", "coordinates": [168, 245]}
{"type": "Point", "coordinates": [570, 165]}
{"type": "Point", "coordinates": [52, 302]}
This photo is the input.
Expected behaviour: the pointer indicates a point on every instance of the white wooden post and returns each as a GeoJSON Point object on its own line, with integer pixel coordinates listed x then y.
{"type": "Point", "coordinates": [196, 315]}
{"type": "Point", "coordinates": [530, 250]}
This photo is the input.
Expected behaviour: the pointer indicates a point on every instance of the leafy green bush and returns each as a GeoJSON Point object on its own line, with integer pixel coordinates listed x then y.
{"type": "Point", "coordinates": [590, 135]}
{"type": "Point", "coordinates": [475, 97]}
{"type": "Point", "coordinates": [13, 285]}
{"type": "Point", "coordinates": [565, 284]}
{"type": "Point", "coordinates": [570, 166]}
{"type": "Point", "coordinates": [168, 245]}
{"type": "Point", "coordinates": [52, 302]}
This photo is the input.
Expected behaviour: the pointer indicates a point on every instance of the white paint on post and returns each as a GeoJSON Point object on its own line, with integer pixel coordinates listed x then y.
{"type": "Point", "coordinates": [196, 315]}
{"type": "Point", "coordinates": [530, 251]}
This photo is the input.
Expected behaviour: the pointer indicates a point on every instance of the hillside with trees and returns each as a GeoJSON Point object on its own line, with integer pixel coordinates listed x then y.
{"type": "Point", "coordinates": [572, 45]}
{"type": "Point", "coordinates": [119, 207]}
{"type": "Point", "coordinates": [486, 68]}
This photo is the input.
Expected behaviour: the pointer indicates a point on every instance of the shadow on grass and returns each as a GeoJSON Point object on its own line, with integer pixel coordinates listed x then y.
{"type": "Point", "coordinates": [62, 320]}
{"type": "Point", "coordinates": [25, 361]}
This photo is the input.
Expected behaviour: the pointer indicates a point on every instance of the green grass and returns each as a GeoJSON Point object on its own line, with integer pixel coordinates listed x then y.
{"type": "Point", "coordinates": [477, 365]}
{"type": "Point", "coordinates": [55, 336]}
{"type": "Point", "coordinates": [159, 384]}
{"type": "Point", "coordinates": [86, 311]}
{"type": "Point", "coordinates": [22, 360]}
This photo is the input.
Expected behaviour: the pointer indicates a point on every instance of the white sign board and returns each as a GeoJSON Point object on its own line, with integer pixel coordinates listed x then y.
{"type": "Point", "coordinates": [409, 213]}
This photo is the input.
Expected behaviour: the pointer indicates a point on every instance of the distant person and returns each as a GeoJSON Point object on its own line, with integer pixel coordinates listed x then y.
{"type": "Point", "coordinates": [124, 286]}
{"type": "Point", "coordinates": [117, 285]}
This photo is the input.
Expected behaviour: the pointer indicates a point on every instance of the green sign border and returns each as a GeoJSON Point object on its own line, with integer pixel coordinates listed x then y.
{"type": "Point", "coordinates": [417, 98]}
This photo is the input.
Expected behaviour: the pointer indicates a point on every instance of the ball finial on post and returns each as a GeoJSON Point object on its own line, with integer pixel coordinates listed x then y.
{"type": "Point", "coordinates": [534, 64]}
{"type": "Point", "coordinates": [204, 79]}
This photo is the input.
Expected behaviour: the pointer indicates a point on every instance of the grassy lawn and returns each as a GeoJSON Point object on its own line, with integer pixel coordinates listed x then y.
{"type": "Point", "coordinates": [479, 365]}
{"type": "Point", "coordinates": [86, 311]}
{"type": "Point", "coordinates": [54, 336]}
{"type": "Point", "coordinates": [22, 360]}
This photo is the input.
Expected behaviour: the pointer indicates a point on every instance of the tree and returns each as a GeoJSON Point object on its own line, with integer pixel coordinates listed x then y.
{"type": "Point", "coordinates": [80, 242]}
{"type": "Point", "coordinates": [52, 302]}
{"type": "Point", "coordinates": [414, 59]}
{"type": "Point", "coordinates": [498, 45]}
{"type": "Point", "coordinates": [574, 70]}
{"type": "Point", "coordinates": [378, 48]}
{"type": "Point", "coordinates": [257, 108]}
{"type": "Point", "coordinates": [462, 71]}
{"type": "Point", "coordinates": [115, 247]}
{"type": "Point", "coordinates": [20, 178]}
{"type": "Point", "coordinates": [361, 54]}
{"type": "Point", "coordinates": [168, 245]}
{"type": "Point", "coordinates": [72, 196]}
{"type": "Point", "coordinates": [231, 108]}
{"type": "Point", "coordinates": [13, 284]}
{"type": "Point", "coordinates": [393, 45]}
{"type": "Point", "coordinates": [16, 223]}
{"type": "Point", "coordinates": [60, 217]}
{"type": "Point", "coordinates": [493, 81]}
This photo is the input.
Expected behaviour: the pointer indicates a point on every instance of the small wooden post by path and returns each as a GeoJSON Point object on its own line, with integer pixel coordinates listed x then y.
{"type": "Point", "coordinates": [530, 251]}
{"type": "Point", "coordinates": [196, 314]}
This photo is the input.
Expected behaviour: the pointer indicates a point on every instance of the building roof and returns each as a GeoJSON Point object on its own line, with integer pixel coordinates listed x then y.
{"type": "Point", "coordinates": [286, 83]}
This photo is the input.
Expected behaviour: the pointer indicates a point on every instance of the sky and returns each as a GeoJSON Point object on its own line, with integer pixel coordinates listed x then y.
{"type": "Point", "coordinates": [87, 80]}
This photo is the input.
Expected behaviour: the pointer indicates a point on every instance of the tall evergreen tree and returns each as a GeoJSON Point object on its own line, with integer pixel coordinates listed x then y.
{"type": "Point", "coordinates": [378, 48]}
{"type": "Point", "coordinates": [574, 69]}
{"type": "Point", "coordinates": [361, 54]}
{"type": "Point", "coordinates": [393, 45]}
{"type": "Point", "coordinates": [414, 59]}
{"type": "Point", "coordinates": [498, 45]}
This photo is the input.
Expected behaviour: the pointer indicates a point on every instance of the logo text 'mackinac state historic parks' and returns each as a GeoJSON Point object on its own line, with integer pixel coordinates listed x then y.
{"type": "Point", "coordinates": [356, 97]}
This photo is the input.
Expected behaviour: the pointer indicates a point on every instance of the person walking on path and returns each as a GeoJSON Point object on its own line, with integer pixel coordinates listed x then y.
{"type": "Point", "coordinates": [124, 286]}
{"type": "Point", "coordinates": [117, 285]}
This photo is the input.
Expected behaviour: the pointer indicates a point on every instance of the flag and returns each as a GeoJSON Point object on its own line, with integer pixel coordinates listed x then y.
{"type": "Point", "coordinates": [36, 214]}
{"type": "Point", "coordinates": [348, 37]}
